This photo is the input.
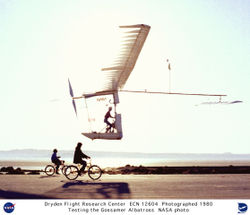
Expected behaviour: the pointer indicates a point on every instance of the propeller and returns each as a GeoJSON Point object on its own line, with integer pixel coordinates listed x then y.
{"type": "Point", "coordinates": [72, 95]}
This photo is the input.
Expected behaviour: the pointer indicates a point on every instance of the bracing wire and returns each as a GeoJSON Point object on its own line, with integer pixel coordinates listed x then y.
{"type": "Point", "coordinates": [90, 125]}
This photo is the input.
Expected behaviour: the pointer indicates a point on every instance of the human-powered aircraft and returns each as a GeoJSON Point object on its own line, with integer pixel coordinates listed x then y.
{"type": "Point", "coordinates": [115, 78]}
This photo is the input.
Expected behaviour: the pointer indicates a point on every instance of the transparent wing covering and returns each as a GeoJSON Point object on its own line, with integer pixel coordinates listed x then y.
{"type": "Point", "coordinates": [116, 76]}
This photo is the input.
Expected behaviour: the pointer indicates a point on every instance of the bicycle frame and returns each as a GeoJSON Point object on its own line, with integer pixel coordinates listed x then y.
{"type": "Point", "coordinates": [73, 171]}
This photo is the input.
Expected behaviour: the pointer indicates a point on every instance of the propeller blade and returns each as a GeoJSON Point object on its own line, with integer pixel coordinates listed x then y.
{"type": "Point", "coordinates": [74, 105]}
{"type": "Point", "coordinates": [72, 95]}
{"type": "Point", "coordinates": [70, 89]}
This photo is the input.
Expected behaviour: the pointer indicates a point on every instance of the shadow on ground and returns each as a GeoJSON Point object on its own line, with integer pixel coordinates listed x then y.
{"type": "Point", "coordinates": [52, 176]}
{"type": "Point", "coordinates": [96, 190]}
{"type": "Point", "coordinates": [18, 195]}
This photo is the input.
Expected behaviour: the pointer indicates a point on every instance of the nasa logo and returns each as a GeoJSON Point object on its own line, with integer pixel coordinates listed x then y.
{"type": "Point", "coordinates": [242, 207]}
{"type": "Point", "coordinates": [9, 207]}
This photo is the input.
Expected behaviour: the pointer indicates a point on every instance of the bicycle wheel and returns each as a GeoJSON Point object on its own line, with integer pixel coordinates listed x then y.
{"type": "Point", "coordinates": [71, 172]}
{"type": "Point", "coordinates": [64, 169]}
{"type": "Point", "coordinates": [95, 172]}
{"type": "Point", "coordinates": [50, 170]}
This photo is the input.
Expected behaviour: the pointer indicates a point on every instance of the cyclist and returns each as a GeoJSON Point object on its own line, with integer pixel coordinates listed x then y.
{"type": "Point", "coordinates": [106, 117]}
{"type": "Point", "coordinates": [55, 160]}
{"type": "Point", "coordinates": [78, 157]}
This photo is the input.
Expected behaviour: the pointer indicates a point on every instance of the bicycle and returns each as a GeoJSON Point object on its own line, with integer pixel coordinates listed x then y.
{"type": "Point", "coordinates": [51, 168]}
{"type": "Point", "coordinates": [73, 171]}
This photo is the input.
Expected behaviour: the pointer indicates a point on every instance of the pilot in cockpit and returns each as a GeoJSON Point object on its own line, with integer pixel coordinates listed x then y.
{"type": "Point", "coordinates": [106, 120]}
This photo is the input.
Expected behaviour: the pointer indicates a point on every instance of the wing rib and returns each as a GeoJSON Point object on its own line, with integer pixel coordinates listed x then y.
{"type": "Point", "coordinates": [125, 64]}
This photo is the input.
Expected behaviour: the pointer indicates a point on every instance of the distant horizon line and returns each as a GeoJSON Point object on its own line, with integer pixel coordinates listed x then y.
{"type": "Point", "coordinates": [136, 152]}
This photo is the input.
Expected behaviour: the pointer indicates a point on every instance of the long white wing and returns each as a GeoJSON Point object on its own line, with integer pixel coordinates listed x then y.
{"type": "Point", "coordinates": [117, 75]}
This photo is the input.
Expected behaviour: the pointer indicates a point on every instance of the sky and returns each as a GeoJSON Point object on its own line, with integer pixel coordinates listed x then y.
{"type": "Point", "coordinates": [44, 42]}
